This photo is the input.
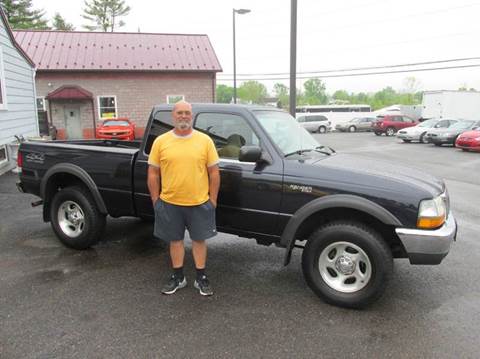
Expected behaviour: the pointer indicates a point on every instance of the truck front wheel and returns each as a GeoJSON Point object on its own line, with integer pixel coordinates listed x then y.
{"type": "Point", "coordinates": [347, 264]}
{"type": "Point", "coordinates": [75, 218]}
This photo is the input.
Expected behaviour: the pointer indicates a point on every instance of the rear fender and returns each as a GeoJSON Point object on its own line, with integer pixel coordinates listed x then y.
{"type": "Point", "coordinates": [75, 171]}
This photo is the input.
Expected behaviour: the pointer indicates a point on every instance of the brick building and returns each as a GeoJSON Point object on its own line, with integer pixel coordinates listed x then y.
{"type": "Point", "coordinates": [84, 77]}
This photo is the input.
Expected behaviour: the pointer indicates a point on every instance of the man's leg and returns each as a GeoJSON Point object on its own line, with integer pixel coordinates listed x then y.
{"type": "Point", "coordinates": [199, 249]}
{"type": "Point", "coordinates": [177, 253]}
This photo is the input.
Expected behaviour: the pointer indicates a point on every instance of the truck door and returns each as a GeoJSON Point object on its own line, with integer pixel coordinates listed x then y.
{"type": "Point", "coordinates": [161, 123]}
{"type": "Point", "coordinates": [250, 194]}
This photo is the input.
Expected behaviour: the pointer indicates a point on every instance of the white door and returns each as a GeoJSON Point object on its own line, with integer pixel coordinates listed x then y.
{"type": "Point", "coordinates": [73, 125]}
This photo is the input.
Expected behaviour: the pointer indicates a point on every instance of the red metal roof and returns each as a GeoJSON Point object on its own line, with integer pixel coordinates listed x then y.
{"type": "Point", "coordinates": [69, 92]}
{"type": "Point", "coordinates": [117, 51]}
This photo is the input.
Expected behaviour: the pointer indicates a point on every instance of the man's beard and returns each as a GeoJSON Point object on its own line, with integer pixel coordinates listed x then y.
{"type": "Point", "coordinates": [184, 125]}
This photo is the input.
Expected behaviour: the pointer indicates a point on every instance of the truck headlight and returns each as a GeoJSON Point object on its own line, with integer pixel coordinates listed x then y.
{"type": "Point", "coordinates": [432, 213]}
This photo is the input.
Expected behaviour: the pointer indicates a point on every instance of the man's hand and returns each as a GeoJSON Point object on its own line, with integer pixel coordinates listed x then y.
{"type": "Point", "coordinates": [154, 183]}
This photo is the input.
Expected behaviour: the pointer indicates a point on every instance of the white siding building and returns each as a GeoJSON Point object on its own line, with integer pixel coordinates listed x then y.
{"type": "Point", "coordinates": [18, 113]}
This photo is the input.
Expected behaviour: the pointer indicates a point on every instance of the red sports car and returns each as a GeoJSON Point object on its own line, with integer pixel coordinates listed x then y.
{"type": "Point", "coordinates": [116, 129]}
{"type": "Point", "coordinates": [469, 141]}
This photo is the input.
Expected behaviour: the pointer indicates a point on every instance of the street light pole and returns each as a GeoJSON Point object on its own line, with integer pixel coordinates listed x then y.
{"type": "Point", "coordinates": [293, 58]}
{"type": "Point", "coordinates": [241, 12]}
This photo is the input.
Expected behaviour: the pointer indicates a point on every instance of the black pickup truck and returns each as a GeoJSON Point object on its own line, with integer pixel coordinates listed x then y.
{"type": "Point", "coordinates": [351, 216]}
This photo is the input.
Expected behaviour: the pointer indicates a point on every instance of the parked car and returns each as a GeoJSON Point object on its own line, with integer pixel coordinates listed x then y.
{"type": "Point", "coordinates": [314, 123]}
{"type": "Point", "coordinates": [419, 132]}
{"type": "Point", "coordinates": [469, 140]}
{"type": "Point", "coordinates": [356, 124]}
{"type": "Point", "coordinates": [390, 124]}
{"type": "Point", "coordinates": [350, 215]}
{"type": "Point", "coordinates": [448, 136]}
{"type": "Point", "coordinates": [116, 129]}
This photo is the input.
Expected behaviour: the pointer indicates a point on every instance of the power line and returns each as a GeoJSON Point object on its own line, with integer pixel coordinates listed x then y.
{"type": "Point", "coordinates": [363, 68]}
{"type": "Point", "coordinates": [361, 74]}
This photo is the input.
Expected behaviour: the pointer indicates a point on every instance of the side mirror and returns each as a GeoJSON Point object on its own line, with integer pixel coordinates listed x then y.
{"type": "Point", "coordinates": [250, 154]}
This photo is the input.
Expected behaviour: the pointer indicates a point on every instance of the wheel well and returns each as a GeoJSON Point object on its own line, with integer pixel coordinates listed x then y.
{"type": "Point", "coordinates": [310, 224]}
{"type": "Point", "coordinates": [55, 183]}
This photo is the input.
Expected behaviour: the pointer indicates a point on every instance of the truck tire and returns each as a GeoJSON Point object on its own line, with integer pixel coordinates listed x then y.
{"type": "Point", "coordinates": [75, 218]}
{"type": "Point", "coordinates": [377, 133]}
{"type": "Point", "coordinates": [390, 131]}
{"type": "Point", "coordinates": [347, 264]}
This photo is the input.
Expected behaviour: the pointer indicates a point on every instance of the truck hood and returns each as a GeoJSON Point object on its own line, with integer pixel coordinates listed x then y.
{"type": "Point", "coordinates": [380, 174]}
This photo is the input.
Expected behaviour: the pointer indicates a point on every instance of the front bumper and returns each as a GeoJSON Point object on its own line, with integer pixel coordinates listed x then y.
{"type": "Point", "coordinates": [428, 246]}
{"type": "Point", "coordinates": [404, 136]}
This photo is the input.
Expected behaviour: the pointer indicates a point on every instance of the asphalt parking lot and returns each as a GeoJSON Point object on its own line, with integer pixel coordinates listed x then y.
{"type": "Point", "coordinates": [106, 302]}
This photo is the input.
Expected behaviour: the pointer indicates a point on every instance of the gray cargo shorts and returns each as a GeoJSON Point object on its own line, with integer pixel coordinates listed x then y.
{"type": "Point", "coordinates": [171, 221]}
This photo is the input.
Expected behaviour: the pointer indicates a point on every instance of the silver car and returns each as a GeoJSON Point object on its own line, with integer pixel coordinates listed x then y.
{"type": "Point", "coordinates": [356, 124]}
{"type": "Point", "coordinates": [419, 132]}
{"type": "Point", "coordinates": [314, 123]}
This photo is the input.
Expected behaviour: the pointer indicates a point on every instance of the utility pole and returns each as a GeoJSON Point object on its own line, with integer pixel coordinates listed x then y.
{"type": "Point", "coordinates": [293, 58]}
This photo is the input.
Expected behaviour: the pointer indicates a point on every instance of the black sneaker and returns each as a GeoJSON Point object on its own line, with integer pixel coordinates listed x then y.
{"type": "Point", "coordinates": [203, 286]}
{"type": "Point", "coordinates": [174, 284]}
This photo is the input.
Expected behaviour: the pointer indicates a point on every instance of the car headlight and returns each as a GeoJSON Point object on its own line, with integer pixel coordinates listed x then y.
{"type": "Point", "coordinates": [432, 212]}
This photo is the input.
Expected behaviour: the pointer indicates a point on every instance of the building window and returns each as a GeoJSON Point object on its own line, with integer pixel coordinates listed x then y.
{"type": "Point", "coordinates": [175, 98]}
{"type": "Point", "coordinates": [41, 104]}
{"type": "Point", "coordinates": [107, 107]}
{"type": "Point", "coordinates": [3, 95]}
{"type": "Point", "coordinates": [3, 154]}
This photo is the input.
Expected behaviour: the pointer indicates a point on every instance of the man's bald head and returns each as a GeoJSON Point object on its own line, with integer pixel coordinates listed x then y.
{"type": "Point", "coordinates": [182, 116]}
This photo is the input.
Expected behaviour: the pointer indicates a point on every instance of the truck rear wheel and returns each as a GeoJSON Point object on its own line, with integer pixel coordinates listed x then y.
{"type": "Point", "coordinates": [347, 264]}
{"type": "Point", "coordinates": [75, 218]}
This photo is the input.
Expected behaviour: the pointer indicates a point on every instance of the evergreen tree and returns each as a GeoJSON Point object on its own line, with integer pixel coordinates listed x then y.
{"type": "Point", "coordinates": [20, 15]}
{"type": "Point", "coordinates": [59, 23]}
{"type": "Point", "coordinates": [105, 14]}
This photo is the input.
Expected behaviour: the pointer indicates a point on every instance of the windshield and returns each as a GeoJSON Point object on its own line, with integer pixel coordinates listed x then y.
{"type": "Point", "coordinates": [428, 123]}
{"type": "Point", "coordinates": [285, 131]}
{"type": "Point", "coordinates": [461, 125]}
{"type": "Point", "coordinates": [116, 123]}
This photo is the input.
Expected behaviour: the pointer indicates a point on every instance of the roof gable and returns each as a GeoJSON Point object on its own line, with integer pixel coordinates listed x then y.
{"type": "Point", "coordinates": [12, 38]}
{"type": "Point", "coordinates": [118, 51]}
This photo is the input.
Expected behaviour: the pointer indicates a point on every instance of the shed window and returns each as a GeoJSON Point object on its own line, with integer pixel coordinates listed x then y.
{"type": "Point", "coordinates": [107, 107]}
{"type": "Point", "coordinates": [175, 98]}
{"type": "Point", "coordinates": [41, 104]}
{"type": "Point", "coordinates": [3, 154]}
{"type": "Point", "coordinates": [3, 97]}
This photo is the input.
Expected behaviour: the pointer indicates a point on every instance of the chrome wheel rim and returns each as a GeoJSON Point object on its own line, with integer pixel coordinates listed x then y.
{"type": "Point", "coordinates": [321, 130]}
{"type": "Point", "coordinates": [390, 132]}
{"type": "Point", "coordinates": [71, 219]}
{"type": "Point", "coordinates": [345, 267]}
{"type": "Point", "coordinates": [352, 129]}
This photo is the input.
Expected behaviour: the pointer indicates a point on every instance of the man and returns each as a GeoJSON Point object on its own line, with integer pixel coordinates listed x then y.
{"type": "Point", "coordinates": [183, 180]}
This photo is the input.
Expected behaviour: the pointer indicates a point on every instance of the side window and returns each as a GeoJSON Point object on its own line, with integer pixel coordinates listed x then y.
{"type": "Point", "coordinates": [162, 122]}
{"type": "Point", "coordinates": [228, 132]}
{"type": "Point", "coordinates": [3, 97]}
{"type": "Point", "coordinates": [301, 119]}
{"type": "Point", "coordinates": [398, 119]}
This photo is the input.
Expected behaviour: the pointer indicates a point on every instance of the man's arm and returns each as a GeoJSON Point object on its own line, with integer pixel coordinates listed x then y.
{"type": "Point", "coordinates": [153, 181]}
{"type": "Point", "coordinates": [214, 183]}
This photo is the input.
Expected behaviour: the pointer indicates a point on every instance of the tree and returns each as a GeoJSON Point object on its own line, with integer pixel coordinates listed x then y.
{"type": "Point", "coordinates": [315, 92]}
{"type": "Point", "coordinates": [105, 13]}
{"type": "Point", "coordinates": [282, 93]}
{"type": "Point", "coordinates": [252, 92]}
{"type": "Point", "coordinates": [20, 15]}
{"type": "Point", "coordinates": [224, 94]}
{"type": "Point", "coordinates": [59, 23]}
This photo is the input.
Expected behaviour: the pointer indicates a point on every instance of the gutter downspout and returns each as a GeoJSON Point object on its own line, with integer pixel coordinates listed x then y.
{"type": "Point", "coordinates": [94, 122]}
{"type": "Point", "coordinates": [37, 125]}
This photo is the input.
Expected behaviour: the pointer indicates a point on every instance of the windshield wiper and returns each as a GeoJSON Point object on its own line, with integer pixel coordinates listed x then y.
{"type": "Point", "coordinates": [316, 149]}
{"type": "Point", "coordinates": [299, 152]}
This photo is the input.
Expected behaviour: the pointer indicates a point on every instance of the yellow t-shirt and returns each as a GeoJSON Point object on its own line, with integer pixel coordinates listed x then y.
{"type": "Point", "coordinates": [183, 163]}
